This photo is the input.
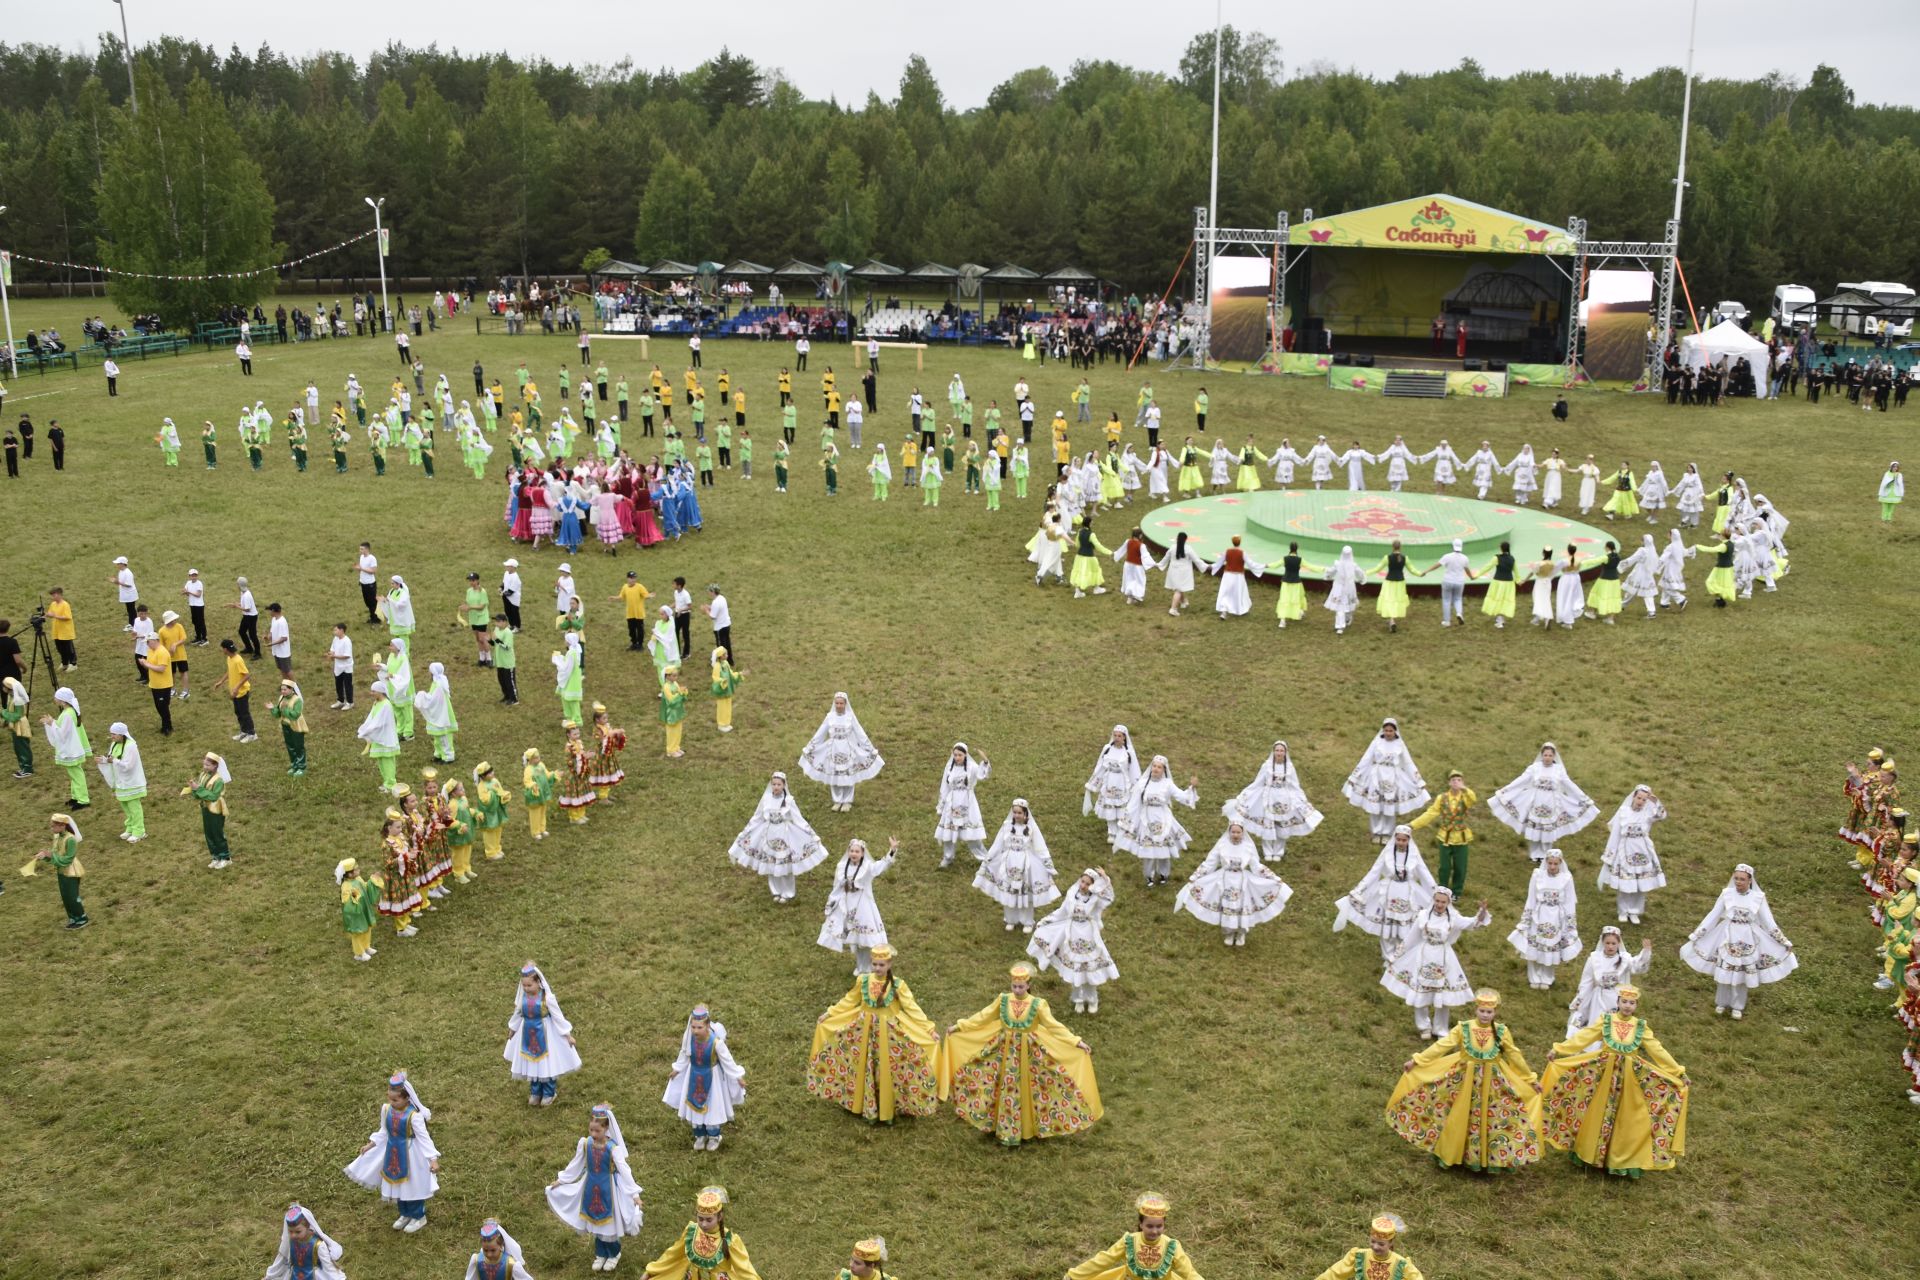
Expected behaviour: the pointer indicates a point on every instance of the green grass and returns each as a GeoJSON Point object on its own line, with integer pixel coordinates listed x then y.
{"type": "Point", "coordinates": [207, 1052]}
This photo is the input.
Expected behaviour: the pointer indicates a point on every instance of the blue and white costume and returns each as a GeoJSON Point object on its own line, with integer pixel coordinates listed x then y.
{"type": "Point", "coordinates": [538, 1050]}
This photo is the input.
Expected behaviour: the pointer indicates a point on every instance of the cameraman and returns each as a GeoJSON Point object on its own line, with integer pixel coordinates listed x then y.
{"type": "Point", "coordinates": [9, 653]}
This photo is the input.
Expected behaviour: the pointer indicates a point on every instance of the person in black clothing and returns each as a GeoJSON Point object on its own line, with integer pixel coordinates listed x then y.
{"type": "Point", "coordinates": [870, 388]}
{"type": "Point", "coordinates": [26, 436]}
{"type": "Point", "coordinates": [479, 379]}
{"type": "Point", "coordinates": [57, 440]}
{"type": "Point", "coordinates": [1500, 601]}
{"type": "Point", "coordinates": [1559, 408]}
{"type": "Point", "coordinates": [12, 445]}
{"type": "Point", "coordinates": [9, 653]}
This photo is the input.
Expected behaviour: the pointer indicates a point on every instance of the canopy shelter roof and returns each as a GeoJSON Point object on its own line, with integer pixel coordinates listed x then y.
{"type": "Point", "coordinates": [669, 267]}
{"type": "Point", "coordinates": [798, 267]}
{"type": "Point", "coordinates": [933, 271]}
{"type": "Point", "coordinates": [1859, 302]}
{"type": "Point", "coordinates": [1437, 222]}
{"type": "Point", "coordinates": [1009, 271]}
{"type": "Point", "coordinates": [616, 267]}
{"type": "Point", "coordinates": [874, 267]}
{"type": "Point", "coordinates": [1069, 273]}
{"type": "Point", "coordinates": [742, 267]}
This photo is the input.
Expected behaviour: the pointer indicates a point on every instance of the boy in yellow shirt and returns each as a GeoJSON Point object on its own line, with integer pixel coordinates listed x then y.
{"type": "Point", "coordinates": [634, 596]}
{"type": "Point", "coordinates": [60, 614]}
{"type": "Point", "coordinates": [173, 635]}
{"type": "Point", "coordinates": [910, 463]}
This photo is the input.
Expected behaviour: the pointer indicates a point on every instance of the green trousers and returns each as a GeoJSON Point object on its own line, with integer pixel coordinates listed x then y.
{"type": "Point", "coordinates": [212, 455]}
{"type": "Point", "coordinates": [23, 753]}
{"type": "Point", "coordinates": [442, 747]}
{"type": "Point", "coordinates": [296, 750]}
{"type": "Point", "coordinates": [1453, 867]}
{"type": "Point", "coordinates": [214, 827]}
{"type": "Point", "coordinates": [300, 459]}
{"type": "Point", "coordinates": [389, 767]}
{"type": "Point", "coordinates": [403, 717]}
{"type": "Point", "coordinates": [879, 490]}
{"type": "Point", "coordinates": [339, 462]}
{"type": "Point", "coordinates": [77, 783]}
{"type": "Point", "coordinates": [1019, 486]}
{"type": "Point", "coordinates": [993, 499]}
{"type": "Point", "coordinates": [1886, 511]}
{"type": "Point", "coordinates": [253, 458]}
{"type": "Point", "coordinates": [136, 814]}
{"type": "Point", "coordinates": [70, 899]}
{"type": "Point", "coordinates": [172, 456]}
{"type": "Point", "coordinates": [379, 464]}
{"type": "Point", "coordinates": [570, 710]}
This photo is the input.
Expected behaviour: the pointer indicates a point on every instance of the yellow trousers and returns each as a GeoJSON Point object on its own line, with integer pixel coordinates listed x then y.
{"type": "Point", "coordinates": [537, 819]}
{"type": "Point", "coordinates": [577, 814]}
{"type": "Point", "coordinates": [490, 839]}
{"type": "Point", "coordinates": [673, 737]}
{"type": "Point", "coordinates": [723, 712]}
{"type": "Point", "coordinates": [462, 859]}
{"type": "Point", "coordinates": [401, 922]}
{"type": "Point", "coordinates": [361, 941]}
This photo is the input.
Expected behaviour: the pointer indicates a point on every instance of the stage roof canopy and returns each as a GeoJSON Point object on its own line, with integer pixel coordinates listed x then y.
{"type": "Point", "coordinates": [1433, 222]}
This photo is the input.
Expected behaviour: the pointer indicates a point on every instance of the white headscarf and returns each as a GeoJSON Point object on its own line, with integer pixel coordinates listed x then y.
{"type": "Point", "coordinates": [16, 693]}
{"type": "Point", "coordinates": [1286, 769]}
{"type": "Point", "coordinates": [546, 992]}
{"type": "Point", "coordinates": [68, 696]}
{"type": "Point", "coordinates": [508, 1245]}
{"type": "Point", "coordinates": [1133, 757]}
{"type": "Point", "coordinates": [1345, 571]}
{"type": "Point", "coordinates": [400, 1078]}
{"type": "Point", "coordinates": [219, 766]}
{"type": "Point", "coordinates": [1626, 810]}
{"type": "Point", "coordinates": [329, 1247]}
{"type": "Point", "coordinates": [1033, 836]}
{"type": "Point", "coordinates": [769, 801]}
{"type": "Point", "coordinates": [604, 1110]}
{"type": "Point", "coordinates": [1752, 874]}
{"type": "Point", "coordinates": [859, 731]}
{"type": "Point", "coordinates": [73, 828]}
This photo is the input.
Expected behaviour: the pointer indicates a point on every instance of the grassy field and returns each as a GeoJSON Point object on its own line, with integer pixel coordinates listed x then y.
{"type": "Point", "coordinates": [207, 1052]}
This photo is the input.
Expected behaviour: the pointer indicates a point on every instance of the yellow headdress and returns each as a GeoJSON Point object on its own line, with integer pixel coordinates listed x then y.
{"type": "Point", "coordinates": [1887, 765]}
{"type": "Point", "coordinates": [1487, 996]}
{"type": "Point", "coordinates": [1876, 755]}
{"type": "Point", "coordinates": [873, 1250]}
{"type": "Point", "coordinates": [883, 952]}
{"type": "Point", "coordinates": [1627, 991]}
{"type": "Point", "coordinates": [711, 1199]}
{"type": "Point", "coordinates": [1022, 972]}
{"type": "Point", "coordinates": [1911, 875]}
{"type": "Point", "coordinates": [1387, 1224]}
{"type": "Point", "coordinates": [599, 708]}
{"type": "Point", "coordinates": [569, 724]}
{"type": "Point", "coordinates": [530, 754]}
{"type": "Point", "coordinates": [1151, 1204]}
{"type": "Point", "coordinates": [401, 791]}
{"type": "Point", "coordinates": [430, 773]}
{"type": "Point", "coordinates": [394, 815]}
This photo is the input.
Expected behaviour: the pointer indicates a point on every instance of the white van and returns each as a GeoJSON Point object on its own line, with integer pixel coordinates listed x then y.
{"type": "Point", "coordinates": [1885, 292]}
{"type": "Point", "coordinates": [1793, 305]}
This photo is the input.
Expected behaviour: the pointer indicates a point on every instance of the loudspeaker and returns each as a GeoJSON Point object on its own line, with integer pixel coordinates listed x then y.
{"type": "Point", "coordinates": [1364, 361]}
{"type": "Point", "coordinates": [1473, 366]}
{"type": "Point", "coordinates": [1343, 357]}
{"type": "Point", "coordinates": [1496, 366]}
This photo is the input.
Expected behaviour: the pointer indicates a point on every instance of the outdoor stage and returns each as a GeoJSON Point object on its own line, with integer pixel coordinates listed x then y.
{"type": "Point", "coordinates": [1323, 521]}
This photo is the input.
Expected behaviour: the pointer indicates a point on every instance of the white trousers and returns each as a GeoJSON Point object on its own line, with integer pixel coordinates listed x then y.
{"type": "Point", "coordinates": [1382, 825]}
{"type": "Point", "coordinates": [1539, 974]}
{"type": "Point", "coordinates": [1726, 997]}
{"type": "Point", "coordinates": [862, 960]}
{"type": "Point", "coordinates": [947, 848]}
{"type": "Point", "coordinates": [1017, 916]}
{"type": "Point", "coordinates": [1152, 867]}
{"type": "Point", "coordinates": [1631, 904]}
{"type": "Point", "coordinates": [841, 795]}
{"type": "Point", "coordinates": [781, 886]}
{"type": "Point", "coordinates": [1276, 848]}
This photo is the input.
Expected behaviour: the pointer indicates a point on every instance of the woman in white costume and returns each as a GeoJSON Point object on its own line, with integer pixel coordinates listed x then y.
{"type": "Point", "coordinates": [1690, 496]}
{"type": "Point", "coordinates": [1155, 469]}
{"type": "Point", "coordinates": [1552, 475]}
{"type": "Point", "coordinates": [1608, 968]}
{"type": "Point", "coordinates": [1017, 871]}
{"type": "Point", "coordinates": [1548, 933]}
{"type": "Point", "coordinates": [1114, 774]}
{"type": "Point", "coordinates": [1046, 549]}
{"type": "Point", "coordinates": [1738, 945]}
{"type": "Point", "coordinates": [777, 841]}
{"type": "Point", "coordinates": [1233, 599]}
{"type": "Point", "coordinates": [1589, 484]}
{"type": "Point", "coordinates": [1355, 460]}
{"type": "Point", "coordinates": [1425, 972]}
{"type": "Point", "coordinates": [1385, 784]}
{"type": "Point", "coordinates": [499, 1257]}
{"type": "Point", "coordinates": [1134, 560]}
{"type": "Point", "coordinates": [399, 1160]}
{"type": "Point", "coordinates": [1072, 940]}
{"type": "Point", "coordinates": [1446, 465]}
{"type": "Point", "coordinates": [1653, 490]}
{"type": "Point", "coordinates": [1273, 806]}
{"type": "Point", "coordinates": [1284, 460]}
{"type": "Point", "coordinates": [1543, 806]}
{"type": "Point", "coordinates": [1640, 574]}
{"type": "Point", "coordinates": [306, 1252]}
{"type": "Point", "coordinates": [1569, 597]}
{"type": "Point", "coordinates": [1233, 888]}
{"type": "Point", "coordinates": [1320, 460]}
{"type": "Point", "coordinates": [1525, 472]}
{"type": "Point", "coordinates": [957, 811]}
{"type": "Point", "coordinates": [1221, 474]}
{"type": "Point", "coordinates": [596, 1194]}
{"type": "Point", "coordinates": [840, 754]}
{"type": "Point", "coordinates": [1178, 564]}
{"type": "Point", "coordinates": [1540, 573]}
{"type": "Point", "coordinates": [435, 705]}
{"type": "Point", "coordinates": [1343, 597]}
{"type": "Point", "coordinates": [1673, 571]}
{"type": "Point", "coordinates": [1393, 893]}
{"type": "Point", "coordinates": [1149, 831]}
{"type": "Point", "coordinates": [1399, 460]}
{"type": "Point", "coordinates": [707, 1086]}
{"type": "Point", "coordinates": [1631, 866]}
{"type": "Point", "coordinates": [852, 920]}
{"type": "Point", "coordinates": [540, 1048]}
{"type": "Point", "coordinates": [1485, 465]}
{"type": "Point", "coordinates": [1131, 469]}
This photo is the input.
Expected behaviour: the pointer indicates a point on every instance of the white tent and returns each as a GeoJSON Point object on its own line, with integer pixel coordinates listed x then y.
{"type": "Point", "coordinates": [1724, 339]}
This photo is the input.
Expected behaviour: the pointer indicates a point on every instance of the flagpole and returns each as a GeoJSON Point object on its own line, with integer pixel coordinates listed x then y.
{"type": "Point", "coordinates": [1213, 188]}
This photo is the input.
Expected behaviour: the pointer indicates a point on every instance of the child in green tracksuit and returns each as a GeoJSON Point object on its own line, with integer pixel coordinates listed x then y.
{"type": "Point", "coordinates": [703, 461]}
{"type": "Point", "coordinates": [64, 855]}
{"type": "Point", "coordinates": [1449, 813]}
{"type": "Point", "coordinates": [990, 481]}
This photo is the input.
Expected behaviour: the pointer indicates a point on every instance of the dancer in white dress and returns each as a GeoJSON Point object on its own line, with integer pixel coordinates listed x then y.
{"type": "Point", "coordinates": [1284, 460]}
{"type": "Point", "coordinates": [306, 1252]}
{"type": "Point", "coordinates": [1355, 460]}
{"type": "Point", "coordinates": [852, 916]}
{"type": "Point", "coordinates": [540, 1045]}
{"type": "Point", "coordinates": [1149, 831]}
{"type": "Point", "coordinates": [1017, 872]}
{"type": "Point", "coordinates": [1114, 774]}
{"type": "Point", "coordinates": [1395, 890]}
{"type": "Point", "coordinates": [1273, 806]}
{"type": "Point", "coordinates": [1569, 597]}
{"type": "Point", "coordinates": [840, 754]}
{"type": "Point", "coordinates": [1738, 945]}
{"type": "Point", "coordinates": [1343, 598]}
{"type": "Point", "coordinates": [1385, 784]}
{"type": "Point", "coordinates": [1320, 460]}
{"type": "Point", "coordinates": [1484, 465]}
{"type": "Point", "coordinates": [1046, 549]}
{"type": "Point", "coordinates": [1630, 866]}
{"type": "Point", "coordinates": [1548, 932]}
{"type": "Point", "coordinates": [1690, 496]}
{"type": "Point", "coordinates": [1540, 572]}
{"type": "Point", "coordinates": [957, 811]}
{"type": "Point", "coordinates": [777, 841]}
{"type": "Point", "coordinates": [1399, 460]}
{"type": "Point", "coordinates": [1525, 472]}
{"type": "Point", "coordinates": [1553, 471]}
{"type": "Point", "coordinates": [1640, 574]}
{"type": "Point", "coordinates": [1673, 571]}
{"type": "Point", "coordinates": [399, 1160]}
{"type": "Point", "coordinates": [1221, 474]}
{"type": "Point", "coordinates": [1543, 806]}
{"type": "Point", "coordinates": [596, 1194]}
{"type": "Point", "coordinates": [1155, 469]}
{"type": "Point", "coordinates": [1071, 939]}
{"type": "Point", "coordinates": [707, 1086]}
{"type": "Point", "coordinates": [1653, 490]}
{"type": "Point", "coordinates": [1446, 465]}
{"type": "Point", "coordinates": [1589, 484]}
{"type": "Point", "coordinates": [1233, 888]}
{"type": "Point", "coordinates": [1233, 599]}
{"type": "Point", "coordinates": [1178, 563]}
{"type": "Point", "coordinates": [1425, 972]}
{"type": "Point", "coordinates": [499, 1257]}
{"type": "Point", "coordinates": [1608, 968]}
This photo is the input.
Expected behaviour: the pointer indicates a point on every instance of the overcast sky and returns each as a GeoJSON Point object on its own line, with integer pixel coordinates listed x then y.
{"type": "Point", "coordinates": [849, 49]}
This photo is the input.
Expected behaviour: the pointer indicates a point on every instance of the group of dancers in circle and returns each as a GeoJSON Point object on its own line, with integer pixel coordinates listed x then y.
{"type": "Point", "coordinates": [1886, 852]}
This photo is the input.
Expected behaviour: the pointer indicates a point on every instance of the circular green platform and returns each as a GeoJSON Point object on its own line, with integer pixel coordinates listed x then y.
{"type": "Point", "coordinates": [1323, 521]}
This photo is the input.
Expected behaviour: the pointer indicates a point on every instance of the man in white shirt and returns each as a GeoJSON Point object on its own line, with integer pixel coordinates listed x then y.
{"type": "Point", "coordinates": [563, 590]}
{"type": "Point", "coordinates": [800, 348]}
{"type": "Point", "coordinates": [855, 416]}
{"type": "Point", "coordinates": [369, 583]}
{"type": "Point", "coordinates": [244, 354]}
{"type": "Point", "coordinates": [196, 593]}
{"type": "Point", "coordinates": [129, 594]}
{"type": "Point", "coordinates": [341, 651]}
{"type": "Point", "coordinates": [1453, 584]}
{"type": "Point", "coordinates": [693, 349]}
{"type": "Point", "coordinates": [249, 620]}
{"type": "Point", "coordinates": [143, 632]}
{"type": "Point", "coordinates": [313, 404]}
{"type": "Point", "coordinates": [510, 592]}
{"type": "Point", "coordinates": [280, 639]}
{"type": "Point", "coordinates": [1153, 426]}
{"type": "Point", "coordinates": [1026, 421]}
{"type": "Point", "coordinates": [722, 621]}
{"type": "Point", "coordinates": [112, 371]}
{"type": "Point", "coordinates": [873, 353]}
{"type": "Point", "coordinates": [682, 616]}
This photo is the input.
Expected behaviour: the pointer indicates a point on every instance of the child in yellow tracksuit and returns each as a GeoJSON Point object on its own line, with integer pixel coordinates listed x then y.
{"type": "Point", "coordinates": [910, 463]}
{"type": "Point", "coordinates": [725, 681]}
{"type": "Point", "coordinates": [490, 809]}
{"type": "Point", "coordinates": [536, 788]}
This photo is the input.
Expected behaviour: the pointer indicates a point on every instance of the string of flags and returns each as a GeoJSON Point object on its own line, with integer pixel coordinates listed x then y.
{"type": "Point", "coordinates": [211, 275]}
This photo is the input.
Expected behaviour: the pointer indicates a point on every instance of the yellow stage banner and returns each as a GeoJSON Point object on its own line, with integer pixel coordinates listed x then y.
{"type": "Point", "coordinates": [1478, 386]}
{"type": "Point", "coordinates": [1435, 222]}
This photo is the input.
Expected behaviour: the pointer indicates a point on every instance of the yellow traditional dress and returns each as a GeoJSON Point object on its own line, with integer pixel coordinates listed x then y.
{"type": "Point", "coordinates": [1360, 1264]}
{"type": "Point", "coordinates": [1134, 1257]}
{"type": "Point", "coordinates": [1615, 1099]}
{"type": "Point", "coordinates": [696, 1255]}
{"type": "Point", "coordinates": [1470, 1099]}
{"type": "Point", "coordinates": [1013, 1071]}
{"type": "Point", "coordinates": [874, 1053]}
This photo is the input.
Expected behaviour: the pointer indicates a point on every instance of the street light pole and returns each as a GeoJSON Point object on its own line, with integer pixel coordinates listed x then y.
{"type": "Point", "coordinates": [380, 247]}
{"type": "Point", "coordinates": [126, 48]}
{"type": "Point", "coordinates": [13, 368]}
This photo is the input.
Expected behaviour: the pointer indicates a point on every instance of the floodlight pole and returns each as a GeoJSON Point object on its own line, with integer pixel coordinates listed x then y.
{"type": "Point", "coordinates": [1203, 341]}
{"type": "Point", "coordinates": [380, 248]}
{"type": "Point", "coordinates": [126, 48]}
{"type": "Point", "coordinates": [12, 369]}
{"type": "Point", "coordinates": [1664, 330]}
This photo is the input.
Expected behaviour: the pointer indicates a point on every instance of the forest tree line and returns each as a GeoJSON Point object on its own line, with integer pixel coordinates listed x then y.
{"type": "Point", "coordinates": [490, 167]}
